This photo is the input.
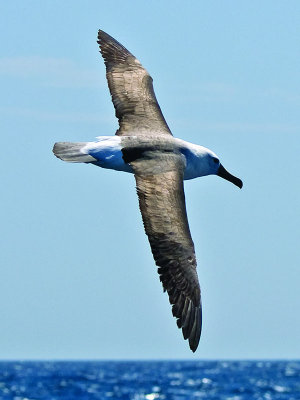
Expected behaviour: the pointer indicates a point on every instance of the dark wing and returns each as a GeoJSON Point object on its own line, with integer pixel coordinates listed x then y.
{"type": "Point", "coordinates": [159, 179]}
{"type": "Point", "coordinates": [131, 90]}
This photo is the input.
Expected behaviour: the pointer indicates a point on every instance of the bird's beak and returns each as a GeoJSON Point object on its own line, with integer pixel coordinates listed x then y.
{"type": "Point", "coordinates": [223, 173]}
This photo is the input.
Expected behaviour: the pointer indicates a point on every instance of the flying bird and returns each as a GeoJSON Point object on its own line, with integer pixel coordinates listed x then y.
{"type": "Point", "coordinates": [144, 146]}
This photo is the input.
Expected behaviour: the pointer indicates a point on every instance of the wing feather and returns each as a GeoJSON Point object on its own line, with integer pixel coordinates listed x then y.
{"type": "Point", "coordinates": [162, 204]}
{"type": "Point", "coordinates": [131, 90]}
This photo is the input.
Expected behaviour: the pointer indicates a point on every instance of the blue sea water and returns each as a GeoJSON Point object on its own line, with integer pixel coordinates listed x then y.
{"type": "Point", "coordinates": [150, 380]}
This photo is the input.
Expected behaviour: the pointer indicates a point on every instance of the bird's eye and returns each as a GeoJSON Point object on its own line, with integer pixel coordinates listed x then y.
{"type": "Point", "coordinates": [215, 160]}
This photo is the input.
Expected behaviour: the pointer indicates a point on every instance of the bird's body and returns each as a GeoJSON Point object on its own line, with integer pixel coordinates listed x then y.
{"type": "Point", "coordinates": [144, 145]}
{"type": "Point", "coordinates": [115, 152]}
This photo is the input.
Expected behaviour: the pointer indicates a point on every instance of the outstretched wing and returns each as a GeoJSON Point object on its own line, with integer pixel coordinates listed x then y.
{"type": "Point", "coordinates": [159, 180]}
{"type": "Point", "coordinates": [131, 90]}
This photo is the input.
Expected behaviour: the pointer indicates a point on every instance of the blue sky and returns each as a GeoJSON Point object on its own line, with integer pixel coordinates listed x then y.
{"type": "Point", "coordinates": [77, 276]}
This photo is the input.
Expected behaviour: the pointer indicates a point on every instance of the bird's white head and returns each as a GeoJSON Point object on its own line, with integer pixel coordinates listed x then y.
{"type": "Point", "coordinates": [202, 161]}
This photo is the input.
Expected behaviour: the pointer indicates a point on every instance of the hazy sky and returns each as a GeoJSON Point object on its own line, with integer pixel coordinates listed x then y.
{"type": "Point", "coordinates": [77, 276]}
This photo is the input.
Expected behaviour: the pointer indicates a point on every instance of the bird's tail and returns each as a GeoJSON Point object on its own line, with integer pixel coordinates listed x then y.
{"type": "Point", "coordinates": [72, 152]}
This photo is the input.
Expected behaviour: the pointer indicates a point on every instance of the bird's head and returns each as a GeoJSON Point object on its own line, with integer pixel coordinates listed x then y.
{"type": "Point", "coordinates": [209, 164]}
{"type": "Point", "coordinates": [217, 168]}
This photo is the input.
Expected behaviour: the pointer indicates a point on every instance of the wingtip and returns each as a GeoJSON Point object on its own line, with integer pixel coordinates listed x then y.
{"type": "Point", "coordinates": [191, 326]}
{"type": "Point", "coordinates": [112, 51]}
{"type": "Point", "coordinates": [193, 347]}
{"type": "Point", "coordinates": [193, 344]}
{"type": "Point", "coordinates": [102, 34]}
{"type": "Point", "coordinates": [195, 334]}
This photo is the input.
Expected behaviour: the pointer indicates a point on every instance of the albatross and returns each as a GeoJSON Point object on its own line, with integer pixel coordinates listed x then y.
{"type": "Point", "coordinates": [144, 146]}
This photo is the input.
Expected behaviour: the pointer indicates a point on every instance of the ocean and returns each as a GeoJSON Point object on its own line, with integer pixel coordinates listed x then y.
{"type": "Point", "coordinates": [150, 380]}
